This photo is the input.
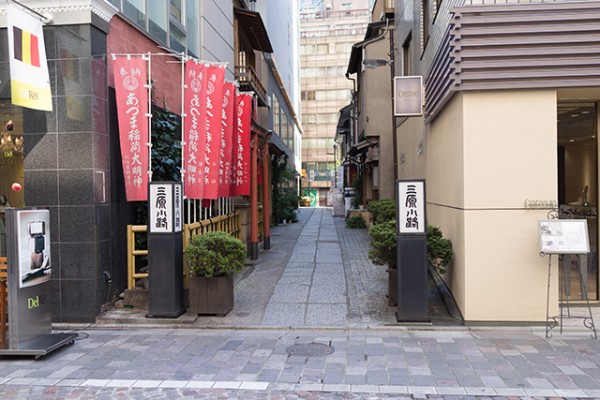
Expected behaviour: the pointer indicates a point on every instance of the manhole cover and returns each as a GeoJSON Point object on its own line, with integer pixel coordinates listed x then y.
{"type": "Point", "coordinates": [310, 350]}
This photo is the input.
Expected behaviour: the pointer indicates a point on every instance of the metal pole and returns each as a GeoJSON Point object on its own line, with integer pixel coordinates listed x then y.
{"type": "Point", "coordinates": [183, 115]}
{"type": "Point", "coordinates": [149, 115]}
{"type": "Point", "coordinates": [392, 75]}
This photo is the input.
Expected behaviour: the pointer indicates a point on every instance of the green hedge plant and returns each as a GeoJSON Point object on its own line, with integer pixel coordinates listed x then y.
{"type": "Point", "coordinates": [356, 222]}
{"type": "Point", "coordinates": [383, 246]}
{"type": "Point", "coordinates": [382, 210]}
{"type": "Point", "coordinates": [215, 254]}
{"type": "Point", "coordinates": [383, 243]}
{"type": "Point", "coordinates": [439, 249]}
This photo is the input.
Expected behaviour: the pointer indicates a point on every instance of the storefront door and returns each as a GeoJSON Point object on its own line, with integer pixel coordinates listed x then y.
{"type": "Point", "coordinates": [578, 191]}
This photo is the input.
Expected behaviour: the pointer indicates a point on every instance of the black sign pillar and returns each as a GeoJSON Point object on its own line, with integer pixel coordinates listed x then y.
{"type": "Point", "coordinates": [165, 250]}
{"type": "Point", "coordinates": [411, 253]}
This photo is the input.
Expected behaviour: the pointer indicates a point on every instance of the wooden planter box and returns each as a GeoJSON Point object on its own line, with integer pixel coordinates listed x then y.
{"type": "Point", "coordinates": [212, 296]}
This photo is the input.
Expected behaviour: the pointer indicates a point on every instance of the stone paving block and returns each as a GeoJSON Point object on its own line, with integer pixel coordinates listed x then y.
{"type": "Point", "coordinates": [67, 382]}
{"type": "Point", "coordinates": [327, 295]}
{"type": "Point", "coordinates": [309, 387]}
{"type": "Point", "coordinates": [583, 381]}
{"type": "Point", "coordinates": [173, 384]}
{"type": "Point", "coordinates": [199, 384]}
{"type": "Point", "coordinates": [326, 314]}
{"type": "Point", "coordinates": [278, 314]}
{"type": "Point", "coordinates": [146, 383]}
{"type": "Point", "coordinates": [423, 390]}
{"type": "Point", "coordinates": [121, 383]}
{"type": "Point", "coordinates": [377, 377]}
{"type": "Point", "coordinates": [95, 382]}
{"type": "Point", "coordinates": [336, 387]}
{"type": "Point", "coordinates": [451, 391]}
{"type": "Point", "coordinates": [290, 293]}
{"type": "Point", "coordinates": [356, 379]}
{"type": "Point", "coordinates": [365, 389]}
{"type": "Point", "coordinates": [269, 375]}
{"type": "Point", "coordinates": [539, 392]}
{"type": "Point", "coordinates": [570, 393]}
{"type": "Point", "coordinates": [254, 386]}
{"type": "Point", "coordinates": [570, 370]}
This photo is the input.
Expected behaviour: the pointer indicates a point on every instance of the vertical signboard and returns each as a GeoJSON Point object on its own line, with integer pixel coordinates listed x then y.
{"type": "Point", "coordinates": [29, 269]}
{"type": "Point", "coordinates": [411, 253]}
{"type": "Point", "coordinates": [411, 207]}
{"type": "Point", "coordinates": [29, 76]}
{"type": "Point", "coordinates": [165, 207]}
{"type": "Point", "coordinates": [165, 258]}
{"type": "Point", "coordinates": [132, 108]}
{"type": "Point", "coordinates": [408, 96]}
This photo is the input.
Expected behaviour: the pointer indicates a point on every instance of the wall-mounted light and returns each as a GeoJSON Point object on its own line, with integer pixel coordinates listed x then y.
{"type": "Point", "coordinates": [374, 62]}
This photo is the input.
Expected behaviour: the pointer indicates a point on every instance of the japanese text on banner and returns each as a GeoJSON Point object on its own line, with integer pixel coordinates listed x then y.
{"type": "Point", "coordinates": [226, 151]}
{"type": "Point", "coordinates": [132, 107]}
{"type": "Point", "coordinates": [194, 134]}
{"type": "Point", "coordinates": [241, 154]}
{"type": "Point", "coordinates": [215, 75]}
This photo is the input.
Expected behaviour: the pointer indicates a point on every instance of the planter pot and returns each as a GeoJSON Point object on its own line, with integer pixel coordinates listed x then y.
{"type": "Point", "coordinates": [212, 296]}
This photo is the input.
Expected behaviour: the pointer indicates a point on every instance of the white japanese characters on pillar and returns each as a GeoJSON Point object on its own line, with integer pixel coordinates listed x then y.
{"type": "Point", "coordinates": [411, 207]}
{"type": "Point", "coordinates": [165, 207]}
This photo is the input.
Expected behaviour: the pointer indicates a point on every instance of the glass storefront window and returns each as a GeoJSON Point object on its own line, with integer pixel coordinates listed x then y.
{"type": "Point", "coordinates": [11, 163]}
{"type": "Point", "coordinates": [578, 193]}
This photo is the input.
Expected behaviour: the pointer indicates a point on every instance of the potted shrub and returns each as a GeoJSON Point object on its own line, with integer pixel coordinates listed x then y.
{"type": "Point", "coordinates": [305, 201]}
{"type": "Point", "coordinates": [439, 249]}
{"type": "Point", "coordinates": [383, 252]}
{"type": "Point", "coordinates": [212, 260]}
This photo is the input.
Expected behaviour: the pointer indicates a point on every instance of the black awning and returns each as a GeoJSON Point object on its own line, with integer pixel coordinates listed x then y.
{"type": "Point", "coordinates": [251, 23]}
{"type": "Point", "coordinates": [343, 125]}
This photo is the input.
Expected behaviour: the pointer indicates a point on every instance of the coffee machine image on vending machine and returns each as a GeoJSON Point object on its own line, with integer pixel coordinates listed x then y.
{"type": "Point", "coordinates": [40, 261]}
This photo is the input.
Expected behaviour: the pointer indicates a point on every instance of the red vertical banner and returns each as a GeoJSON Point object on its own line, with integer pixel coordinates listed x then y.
{"type": "Point", "coordinates": [194, 135]}
{"type": "Point", "coordinates": [241, 152]}
{"type": "Point", "coordinates": [215, 81]}
{"type": "Point", "coordinates": [132, 108]}
{"type": "Point", "coordinates": [226, 152]}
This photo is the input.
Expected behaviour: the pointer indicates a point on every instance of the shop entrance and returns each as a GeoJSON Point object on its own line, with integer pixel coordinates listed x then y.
{"type": "Point", "coordinates": [578, 190]}
{"type": "Point", "coordinates": [11, 163]}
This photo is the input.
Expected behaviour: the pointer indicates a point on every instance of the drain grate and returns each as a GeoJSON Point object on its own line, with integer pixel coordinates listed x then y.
{"type": "Point", "coordinates": [310, 350]}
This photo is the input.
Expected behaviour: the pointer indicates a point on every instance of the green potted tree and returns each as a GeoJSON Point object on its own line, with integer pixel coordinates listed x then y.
{"type": "Point", "coordinates": [212, 259]}
{"type": "Point", "coordinates": [383, 252]}
{"type": "Point", "coordinates": [439, 249]}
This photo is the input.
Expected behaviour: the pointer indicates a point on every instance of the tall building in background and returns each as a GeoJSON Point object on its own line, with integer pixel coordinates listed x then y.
{"type": "Point", "coordinates": [328, 29]}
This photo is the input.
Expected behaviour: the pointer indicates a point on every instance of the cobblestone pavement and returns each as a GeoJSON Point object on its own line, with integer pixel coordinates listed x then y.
{"type": "Point", "coordinates": [319, 328]}
{"type": "Point", "coordinates": [342, 363]}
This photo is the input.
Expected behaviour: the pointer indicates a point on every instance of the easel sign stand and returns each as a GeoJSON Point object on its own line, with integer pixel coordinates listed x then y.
{"type": "Point", "coordinates": [29, 292]}
{"type": "Point", "coordinates": [565, 237]}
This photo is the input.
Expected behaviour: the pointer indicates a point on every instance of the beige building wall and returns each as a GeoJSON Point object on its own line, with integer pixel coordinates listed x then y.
{"type": "Point", "coordinates": [487, 152]}
{"type": "Point", "coordinates": [376, 114]}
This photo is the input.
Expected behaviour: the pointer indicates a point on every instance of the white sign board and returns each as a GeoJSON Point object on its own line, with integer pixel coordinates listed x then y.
{"type": "Point", "coordinates": [408, 96]}
{"type": "Point", "coordinates": [33, 238]}
{"type": "Point", "coordinates": [165, 207]}
{"type": "Point", "coordinates": [411, 207]}
{"type": "Point", "coordinates": [563, 236]}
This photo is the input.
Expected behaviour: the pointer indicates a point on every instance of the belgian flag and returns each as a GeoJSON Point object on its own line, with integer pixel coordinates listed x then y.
{"type": "Point", "coordinates": [26, 47]}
